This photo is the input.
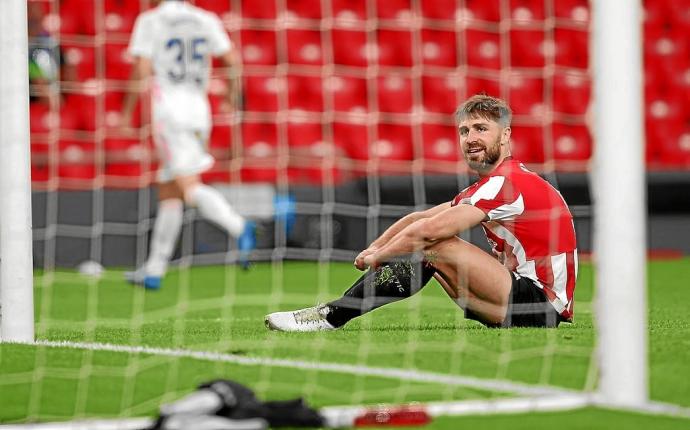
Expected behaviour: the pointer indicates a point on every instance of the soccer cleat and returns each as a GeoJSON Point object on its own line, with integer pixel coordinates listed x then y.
{"type": "Point", "coordinates": [140, 277]}
{"type": "Point", "coordinates": [307, 319]}
{"type": "Point", "coordinates": [246, 243]}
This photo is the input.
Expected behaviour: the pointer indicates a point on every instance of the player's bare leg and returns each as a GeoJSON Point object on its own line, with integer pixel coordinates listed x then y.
{"type": "Point", "coordinates": [166, 229]}
{"type": "Point", "coordinates": [215, 208]}
{"type": "Point", "coordinates": [472, 278]}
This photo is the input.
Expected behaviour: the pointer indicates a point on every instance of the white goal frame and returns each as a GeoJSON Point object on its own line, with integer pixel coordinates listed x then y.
{"type": "Point", "coordinates": [16, 257]}
{"type": "Point", "coordinates": [618, 183]}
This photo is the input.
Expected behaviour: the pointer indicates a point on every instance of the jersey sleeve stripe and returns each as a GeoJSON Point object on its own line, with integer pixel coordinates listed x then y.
{"type": "Point", "coordinates": [508, 212]}
{"type": "Point", "coordinates": [489, 190]}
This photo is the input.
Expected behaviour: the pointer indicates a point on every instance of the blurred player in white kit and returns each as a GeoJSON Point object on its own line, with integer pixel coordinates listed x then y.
{"type": "Point", "coordinates": [173, 44]}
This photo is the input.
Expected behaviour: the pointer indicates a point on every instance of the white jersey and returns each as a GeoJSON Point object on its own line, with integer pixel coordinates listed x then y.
{"type": "Point", "coordinates": [179, 39]}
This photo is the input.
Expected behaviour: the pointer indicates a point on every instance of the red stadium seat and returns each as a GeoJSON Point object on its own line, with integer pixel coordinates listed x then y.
{"type": "Point", "coordinates": [260, 152]}
{"type": "Point", "coordinates": [83, 58]}
{"type": "Point", "coordinates": [393, 144]}
{"type": "Point", "coordinates": [76, 160]}
{"type": "Point", "coordinates": [680, 16]}
{"type": "Point", "coordinates": [388, 151]}
{"type": "Point", "coordinates": [440, 143]}
{"type": "Point", "coordinates": [440, 93]}
{"type": "Point", "coordinates": [526, 11]}
{"type": "Point", "coordinates": [261, 92]}
{"type": "Point", "coordinates": [304, 47]}
{"type": "Point", "coordinates": [669, 107]}
{"type": "Point", "coordinates": [665, 50]}
{"type": "Point", "coordinates": [394, 48]}
{"type": "Point", "coordinates": [394, 9]}
{"type": "Point", "coordinates": [312, 159]}
{"type": "Point", "coordinates": [42, 119]}
{"type": "Point", "coordinates": [439, 48]}
{"type": "Point", "coordinates": [77, 17]}
{"type": "Point", "coordinates": [439, 9]}
{"type": "Point", "coordinates": [528, 48]}
{"type": "Point", "coordinates": [127, 158]}
{"type": "Point", "coordinates": [658, 135]}
{"type": "Point", "coordinates": [349, 93]}
{"type": "Point", "coordinates": [220, 140]}
{"type": "Point", "coordinates": [526, 95]}
{"type": "Point", "coordinates": [571, 142]}
{"type": "Point", "coordinates": [656, 13]}
{"type": "Point", "coordinates": [120, 15]}
{"type": "Point", "coordinates": [481, 10]}
{"type": "Point", "coordinates": [305, 92]}
{"type": "Point", "coordinates": [572, 48]}
{"type": "Point", "coordinates": [395, 93]}
{"type": "Point", "coordinates": [258, 47]}
{"type": "Point", "coordinates": [483, 49]}
{"type": "Point", "coordinates": [304, 9]}
{"type": "Point", "coordinates": [349, 11]}
{"type": "Point", "coordinates": [259, 9]}
{"type": "Point", "coordinates": [118, 62]}
{"type": "Point", "coordinates": [353, 139]}
{"type": "Point", "coordinates": [482, 85]}
{"type": "Point", "coordinates": [675, 149]}
{"type": "Point", "coordinates": [350, 48]}
{"type": "Point", "coordinates": [571, 93]}
{"type": "Point", "coordinates": [219, 7]}
{"type": "Point", "coordinates": [527, 143]}
{"type": "Point", "coordinates": [574, 10]}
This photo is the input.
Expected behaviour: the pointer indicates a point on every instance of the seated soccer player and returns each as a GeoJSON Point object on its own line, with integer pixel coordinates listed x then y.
{"type": "Point", "coordinates": [529, 280]}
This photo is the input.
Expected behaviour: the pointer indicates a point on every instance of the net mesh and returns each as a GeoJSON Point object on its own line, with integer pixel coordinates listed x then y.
{"type": "Point", "coordinates": [346, 125]}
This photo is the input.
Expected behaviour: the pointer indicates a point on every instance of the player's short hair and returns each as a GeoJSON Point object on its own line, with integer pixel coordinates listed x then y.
{"type": "Point", "coordinates": [487, 107]}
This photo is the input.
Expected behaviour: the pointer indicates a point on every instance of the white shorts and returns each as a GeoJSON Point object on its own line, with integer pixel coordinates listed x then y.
{"type": "Point", "coordinates": [181, 151]}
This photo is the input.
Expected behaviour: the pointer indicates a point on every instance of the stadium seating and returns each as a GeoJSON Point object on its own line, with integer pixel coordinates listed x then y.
{"type": "Point", "coordinates": [439, 93]}
{"type": "Point", "coordinates": [260, 155]}
{"type": "Point", "coordinates": [395, 93]}
{"type": "Point", "coordinates": [440, 143]}
{"type": "Point", "coordinates": [304, 9]}
{"type": "Point", "coordinates": [304, 47]}
{"type": "Point", "coordinates": [526, 95]}
{"type": "Point", "coordinates": [376, 58]}
{"type": "Point", "coordinates": [483, 49]}
{"type": "Point", "coordinates": [439, 48]}
{"type": "Point", "coordinates": [349, 93]}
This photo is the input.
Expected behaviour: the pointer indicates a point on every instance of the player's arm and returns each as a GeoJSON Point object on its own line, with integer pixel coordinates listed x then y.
{"type": "Point", "coordinates": [231, 62]}
{"type": "Point", "coordinates": [426, 232]}
{"type": "Point", "coordinates": [138, 82]}
{"type": "Point", "coordinates": [396, 228]}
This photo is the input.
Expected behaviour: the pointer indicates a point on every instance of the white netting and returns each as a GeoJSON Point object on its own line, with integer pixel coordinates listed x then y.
{"type": "Point", "coordinates": [346, 125]}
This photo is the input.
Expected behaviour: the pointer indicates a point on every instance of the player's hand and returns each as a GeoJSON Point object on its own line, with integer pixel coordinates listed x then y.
{"type": "Point", "coordinates": [359, 260]}
{"type": "Point", "coordinates": [370, 262]}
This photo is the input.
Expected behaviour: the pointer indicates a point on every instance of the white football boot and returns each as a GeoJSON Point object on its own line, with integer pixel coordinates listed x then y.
{"type": "Point", "coordinates": [307, 319]}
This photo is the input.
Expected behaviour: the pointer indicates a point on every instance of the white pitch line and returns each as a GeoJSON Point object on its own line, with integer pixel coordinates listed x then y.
{"type": "Point", "coordinates": [385, 372]}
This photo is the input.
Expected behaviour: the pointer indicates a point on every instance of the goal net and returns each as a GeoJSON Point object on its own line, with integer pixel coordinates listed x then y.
{"type": "Point", "coordinates": [346, 124]}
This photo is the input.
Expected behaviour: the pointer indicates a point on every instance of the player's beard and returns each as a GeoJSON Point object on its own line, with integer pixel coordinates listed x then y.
{"type": "Point", "coordinates": [490, 156]}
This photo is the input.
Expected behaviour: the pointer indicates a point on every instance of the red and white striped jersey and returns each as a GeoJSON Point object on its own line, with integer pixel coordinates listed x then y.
{"type": "Point", "coordinates": [530, 228]}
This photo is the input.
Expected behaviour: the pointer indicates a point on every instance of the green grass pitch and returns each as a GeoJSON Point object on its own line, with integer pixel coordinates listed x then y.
{"type": "Point", "coordinates": [221, 309]}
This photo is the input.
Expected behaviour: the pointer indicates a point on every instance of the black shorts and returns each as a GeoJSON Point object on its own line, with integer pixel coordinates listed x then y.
{"type": "Point", "coordinates": [528, 307]}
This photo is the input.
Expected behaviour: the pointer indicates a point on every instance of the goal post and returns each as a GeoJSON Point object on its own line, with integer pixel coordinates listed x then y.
{"type": "Point", "coordinates": [16, 266]}
{"type": "Point", "coordinates": [618, 184]}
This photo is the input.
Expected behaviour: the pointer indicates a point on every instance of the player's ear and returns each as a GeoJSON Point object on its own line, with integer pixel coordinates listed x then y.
{"type": "Point", "coordinates": [505, 137]}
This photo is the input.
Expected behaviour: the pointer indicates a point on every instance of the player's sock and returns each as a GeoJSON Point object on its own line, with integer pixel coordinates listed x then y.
{"type": "Point", "coordinates": [387, 284]}
{"type": "Point", "coordinates": [213, 206]}
{"type": "Point", "coordinates": [165, 231]}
